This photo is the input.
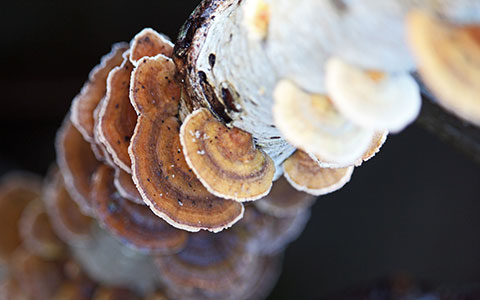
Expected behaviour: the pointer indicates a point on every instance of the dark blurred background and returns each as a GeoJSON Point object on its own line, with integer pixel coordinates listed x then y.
{"type": "Point", "coordinates": [412, 210]}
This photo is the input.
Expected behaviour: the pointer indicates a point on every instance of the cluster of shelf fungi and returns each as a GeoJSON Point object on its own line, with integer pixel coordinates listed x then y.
{"type": "Point", "coordinates": [179, 176]}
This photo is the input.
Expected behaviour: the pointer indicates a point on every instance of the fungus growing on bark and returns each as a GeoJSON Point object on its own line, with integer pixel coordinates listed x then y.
{"type": "Point", "coordinates": [69, 223]}
{"type": "Point", "coordinates": [117, 117]}
{"type": "Point", "coordinates": [169, 186]}
{"type": "Point", "coordinates": [225, 160]}
{"type": "Point", "coordinates": [134, 224]}
{"type": "Point", "coordinates": [312, 123]}
{"type": "Point", "coordinates": [77, 163]}
{"type": "Point", "coordinates": [126, 188]}
{"type": "Point", "coordinates": [306, 175]}
{"type": "Point", "coordinates": [93, 91]}
{"type": "Point", "coordinates": [148, 42]}
{"type": "Point", "coordinates": [447, 57]}
{"type": "Point", "coordinates": [283, 200]}
{"type": "Point", "coordinates": [16, 192]}
{"type": "Point", "coordinates": [372, 99]}
{"type": "Point", "coordinates": [37, 233]}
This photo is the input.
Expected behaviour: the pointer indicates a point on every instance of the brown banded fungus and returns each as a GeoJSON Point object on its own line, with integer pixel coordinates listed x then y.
{"type": "Point", "coordinates": [448, 57]}
{"type": "Point", "coordinates": [69, 223]}
{"type": "Point", "coordinates": [126, 188]}
{"type": "Point", "coordinates": [77, 163]}
{"type": "Point", "coordinates": [372, 99]}
{"type": "Point", "coordinates": [169, 186]}
{"type": "Point", "coordinates": [148, 42]}
{"type": "Point", "coordinates": [117, 117]}
{"type": "Point", "coordinates": [225, 160]}
{"type": "Point", "coordinates": [93, 91]}
{"type": "Point", "coordinates": [134, 224]}
{"type": "Point", "coordinates": [306, 175]}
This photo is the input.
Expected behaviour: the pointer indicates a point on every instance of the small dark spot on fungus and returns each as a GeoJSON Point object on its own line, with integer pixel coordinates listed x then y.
{"type": "Point", "coordinates": [148, 179]}
{"type": "Point", "coordinates": [126, 138]}
{"type": "Point", "coordinates": [166, 177]}
{"type": "Point", "coordinates": [116, 106]}
{"type": "Point", "coordinates": [112, 207]}
{"type": "Point", "coordinates": [228, 100]}
{"type": "Point", "coordinates": [211, 60]}
{"type": "Point", "coordinates": [203, 76]}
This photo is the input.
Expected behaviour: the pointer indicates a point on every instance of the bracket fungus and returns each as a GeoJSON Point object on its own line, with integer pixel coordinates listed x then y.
{"type": "Point", "coordinates": [372, 99]}
{"type": "Point", "coordinates": [306, 175]}
{"type": "Point", "coordinates": [169, 186]}
{"type": "Point", "coordinates": [448, 55]}
{"type": "Point", "coordinates": [150, 43]}
{"type": "Point", "coordinates": [69, 223]}
{"type": "Point", "coordinates": [225, 160]}
{"type": "Point", "coordinates": [134, 224]}
{"type": "Point", "coordinates": [117, 117]}
{"type": "Point", "coordinates": [126, 188]}
{"type": "Point", "coordinates": [93, 91]}
{"type": "Point", "coordinates": [77, 163]}
{"type": "Point", "coordinates": [312, 123]}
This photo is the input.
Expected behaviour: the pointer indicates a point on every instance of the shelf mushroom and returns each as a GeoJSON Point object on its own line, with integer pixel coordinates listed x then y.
{"type": "Point", "coordinates": [311, 123]}
{"type": "Point", "coordinates": [225, 160]}
{"type": "Point", "coordinates": [372, 99]}
{"type": "Point", "coordinates": [117, 117]}
{"type": "Point", "coordinates": [126, 188]}
{"type": "Point", "coordinates": [169, 186]}
{"type": "Point", "coordinates": [134, 224]}
{"type": "Point", "coordinates": [306, 175]}
{"type": "Point", "coordinates": [150, 43]}
{"type": "Point", "coordinates": [448, 58]}
{"type": "Point", "coordinates": [69, 223]}
{"type": "Point", "coordinates": [93, 91]}
{"type": "Point", "coordinates": [77, 163]}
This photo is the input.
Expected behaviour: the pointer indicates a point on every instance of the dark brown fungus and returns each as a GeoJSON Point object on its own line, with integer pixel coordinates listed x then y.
{"type": "Point", "coordinates": [134, 224]}
{"type": "Point", "coordinates": [77, 164]}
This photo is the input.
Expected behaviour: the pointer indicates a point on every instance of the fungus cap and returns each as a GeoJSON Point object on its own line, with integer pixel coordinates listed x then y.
{"type": "Point", "coordinates": [148, 42]}
{"type": "Point", "coordinates": [126, 188]}
{"type": "Point", "coordinates": [134, 224]}
{"type": "Point", "coordinates": [93, 91]}
{"type": "Point", "coordinates": [311, 123]}
{"type": "Point", "coordinates": [117, 118]}
{"type": "Point", "coordinates": [153, 89]}
{"type": "Point", "coordinates": [67, 220]}
{"type": "Point", "coordinates": [169, 186]}
{"type": "Point", "coordinates": [448, 58]}
{"type": "Point", "coordinates": [375, 100]}
{"type": "Point", "coordinates": [305, 174]}
{"type": "Point", "coordinates": [225, 160]}
{"type": "Point", "coordinates": [77, 163]}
